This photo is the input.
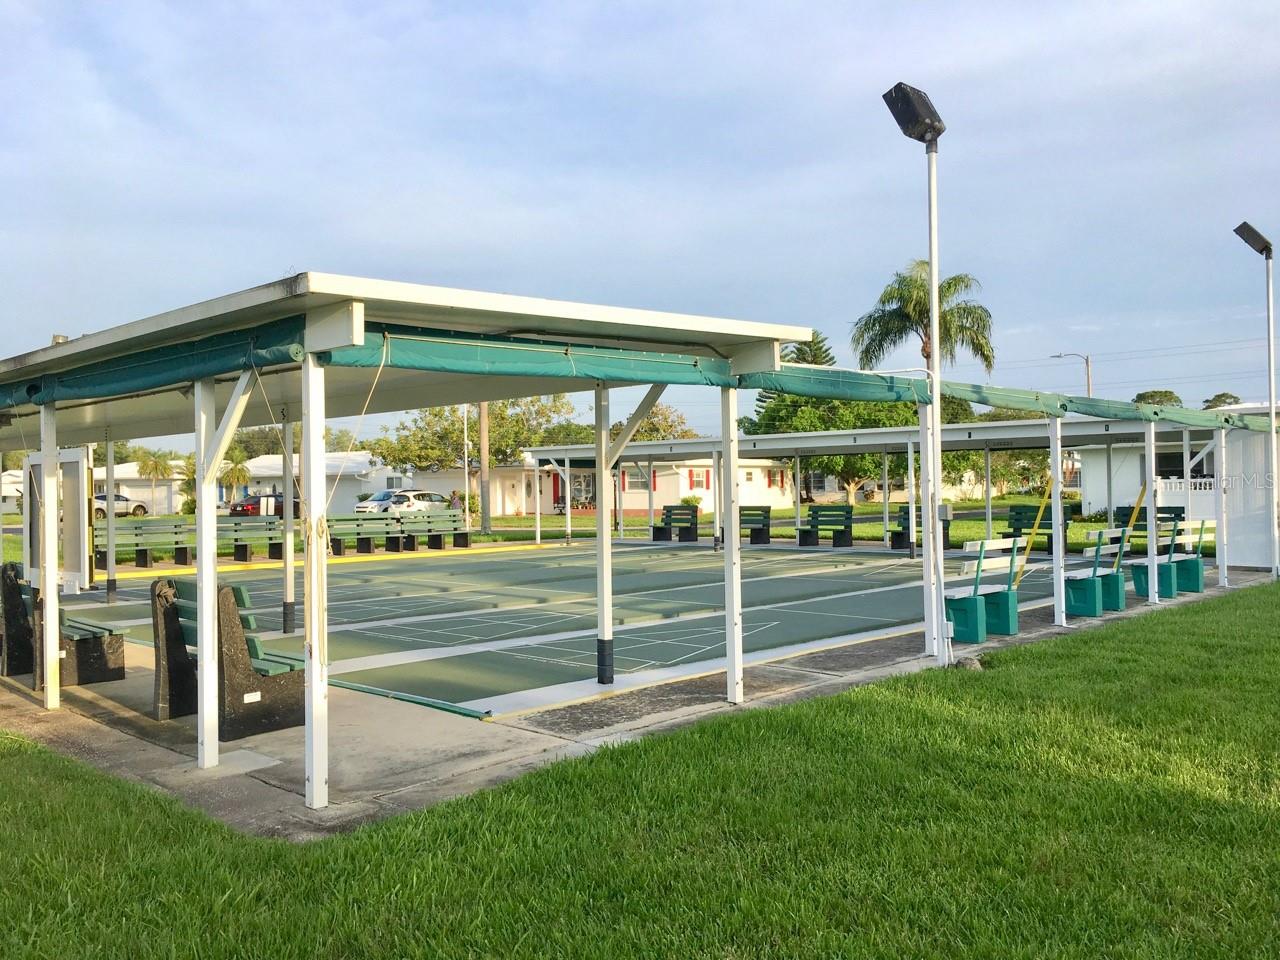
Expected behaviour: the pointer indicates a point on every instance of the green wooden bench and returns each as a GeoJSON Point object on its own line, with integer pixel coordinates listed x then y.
{"type": "Point", "coordinates": [898, 536]}
{"type": "Point", "coordinates": [243, 533]}
{"type": "Point", "coordinates": [835, 517]}
{"type": "Point", "coordinates": [1189, 565]}
{"type": "Point", "coordinates": [1122, 516]}
{"type": "Point", "coordinates": [981, 608]}
{"type": "Point", "coordinates": [364, 529]}
{"type": "Point", "coordinates": [680, 519]}
{"type": "Point", "coordinates": [1099, 587]}
{"type": "Point", "coordinates": [756, 521]}
{"type": "Point", "coordinates": [1021, 522]}
{"type": "Point", "coordinates": [1166, 569]}
{"type": "Point", "coordinates": [145, 535]}
{"type": "Point", "coordinates": [440, 528]}
{"type": "Point", "coordinates": [258, 690]}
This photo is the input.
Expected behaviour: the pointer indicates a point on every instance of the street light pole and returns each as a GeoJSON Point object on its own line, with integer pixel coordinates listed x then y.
{"type": "Point", "coordinates": [918, 120]}
{"type": "Point", "coordinates": [1088, 369]}
{"type": "Point", "coordinates": [1246, 232]}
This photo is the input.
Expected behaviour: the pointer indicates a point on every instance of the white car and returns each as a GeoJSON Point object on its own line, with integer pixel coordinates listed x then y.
{"type": "Point", "coordinates": [417, 501]}
{"type": "Point", "coordinates": [124, 507]}
{"type": "Point", "coordinates": [378, 503]}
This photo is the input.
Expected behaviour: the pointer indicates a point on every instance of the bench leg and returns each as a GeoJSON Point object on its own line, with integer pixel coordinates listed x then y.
{"type": "Point", "coordinates": [99, 559]}
{"type": "Point", "coordinates": [275, 550]}
{"type": "Point", "coordinates": [968, 618]}
{"type": "Point", "coordinates": [661, 534]}
{"type": "Point", "coordinates": [688, 534]}
{"type": "Point", "coordinates": [1112, 585]}
{"type": "Point", "coordinates": [462, 539]}
{"type": "Point", "coordinates": [364, 544]}
{"type": "Point", "coordinates": [142, 557]}
{"type": "Point", "coordinates": [897, 539]}
{"type": "Point", "coordinates": [337, 546]}
{"type": "Point", "coordinates": [393, 544]}
{"type": "Point", "coordinates": [409, 543]}
{"type": "Point", "coordinates": [1084, 597]}
{"type": "Point", "coordinates": [183, 555]}
{"type": "Point", "coordinates": [759, 535]}
{"type": "Point", "coordinates": [242, 552]}
{"type": "Point", "coordinates": [435, 541]}
{"type": "Point", "coordinates": [842, 538]}
{"type": "Point", "coordinates": [808, 538]}
{"type": "Point", "coordinates": [1001, 611]}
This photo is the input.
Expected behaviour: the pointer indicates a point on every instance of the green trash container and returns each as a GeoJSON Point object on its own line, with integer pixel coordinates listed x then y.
{"type": "Point", "coordinates": [1190, 577]}
{"type": "Point", "coordinates": [968, 614]}
{"type": "Point", "coordinates": [1084, 597]}
{"type": "Point", "coordinates": [1112, 585]}
{"type": "Point", "coordinates": [1168, 585]}
{"type": "Point", "coordinates": [1002, 612]}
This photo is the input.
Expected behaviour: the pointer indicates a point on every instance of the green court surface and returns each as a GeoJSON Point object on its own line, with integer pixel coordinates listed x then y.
{"type": "Point", "coordinates": [511, 630]}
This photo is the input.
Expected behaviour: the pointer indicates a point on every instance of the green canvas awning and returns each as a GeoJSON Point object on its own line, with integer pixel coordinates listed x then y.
{"type": "Point", "coordinates": [448, 352]}
{"type": "Point", "coordinates": [1032, 401]}
{"type": "Point", "coordinates": [272, 344]}
{"type": "Point", "coordinates": [832, 383]}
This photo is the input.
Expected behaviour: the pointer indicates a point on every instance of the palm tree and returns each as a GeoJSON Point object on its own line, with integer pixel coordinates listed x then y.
{"type": "Point", "coordinates": [154, 465]}
{"type": "Point", "coordinates": [235, 469]}
{"type": "Point", "coordinates": [187, 471]}
{"type": "Point", "coordinates": [903, 311]}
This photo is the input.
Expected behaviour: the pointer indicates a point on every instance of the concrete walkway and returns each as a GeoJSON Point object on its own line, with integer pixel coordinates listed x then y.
{"type": "Point", "coordinates": [389, 757]}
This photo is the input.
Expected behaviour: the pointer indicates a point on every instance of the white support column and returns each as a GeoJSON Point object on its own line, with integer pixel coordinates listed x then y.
{"type": "Point", "coordinates": [567, 478]}
{"type": "Point", "coordinates": [732, 543]}
{"type": "Point", "coordinates": [1111, 497]}
{"type": "Point", "coordinates": [537, 503]}
{"type": "Point", "coordinates": [1220, 505]}
{"type": "Point", "coordinates": [911, 500]}
{"type": "Point", "coordinates": [111, 516]}
{"type": "Point", "coordinates": [51, 631]}
{"type": "Point", "coordinates": [1186, 473]}
{"type": "Point", "coordinates": [1153, 533]}
{"type": "Point", "coordinates": [717, 526]}
{"type": "Point", "coordinates": [617, 498]}
{"type": "Point", "coordinates": [288, 607]}
{"type": "Point", "coordinates": [928, 584]}
{"type": "Point", "coordinates": [986, 486]}
{"type": "Point", "coordinates": [884, 495]}
{"type": "Point", "coordinates": [206, 427]}
{"type": "Point", "coordinates": [795, 481]}
{"type": "Point", "coordinates": [652, 483]}
{"type": "Point", "coordinates": [604, 546]}
{"type": "Point", "coordinates": [1056, 524]}
{"type": "Point", "coordinates": [315, 597]}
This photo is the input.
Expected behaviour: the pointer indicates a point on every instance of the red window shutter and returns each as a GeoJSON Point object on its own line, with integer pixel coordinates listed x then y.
{"type": "Point", "coordinates": [708, 479]}
{"type": "Point", "coordinates": [622, 480]}
{"type": "Point", "coordinates": [555, 487]}
{"type": "Point", "coordinates": [653, 480]}
{"type": "Point", "coordinates": [768, 478]}
{"type": "Point", "coordinates": [690, 479]}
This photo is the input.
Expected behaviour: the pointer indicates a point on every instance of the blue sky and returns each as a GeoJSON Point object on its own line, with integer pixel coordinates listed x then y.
{"type": "Point", "coordinates": [733, 159]}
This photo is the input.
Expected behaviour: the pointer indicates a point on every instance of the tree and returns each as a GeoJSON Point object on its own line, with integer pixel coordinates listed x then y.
{"type": "Point", "coordinates": [235, 469]}
{"type": "Point", "coordinates": [433, 437]}
{"type": "Point", "coordinates": [817, 353]}
{"type": "Point", "coordinates": [663, 423]}
{"type": "Point", "coordinates": [154, 465]}
{"type": "Point", "coordinates": [1159, 398]}
{"type": "Point", "coordinates": [567, 433]}
{"type": "Point", "coordinates": [1222, 399]}
{"type": "Point", "coordinates": [337, 441]}
{"type": "Point", "coordinates": [187, 471]}
{"type": "Point", "coordinates": [261, 441]}
{"type": "Point", "coordinates": [13, 459]}
{"type": "Point", "coordinates": [903, 312]}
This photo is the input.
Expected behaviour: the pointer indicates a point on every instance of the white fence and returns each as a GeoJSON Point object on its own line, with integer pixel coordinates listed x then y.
{"type": "Point", "coordinates": [1172, 492]}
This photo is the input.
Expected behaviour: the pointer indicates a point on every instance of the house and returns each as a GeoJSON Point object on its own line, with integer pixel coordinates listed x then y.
{"type": "Point", "coordinates": [11, 491]}
{"type": "Point", "coordinates": [350, 476]}
{"type": "Point", "coordinates": [160, 497]}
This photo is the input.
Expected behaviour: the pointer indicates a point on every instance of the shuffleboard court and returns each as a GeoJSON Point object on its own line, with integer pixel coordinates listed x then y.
{"type": "Point", "coordinates": [517, 630]}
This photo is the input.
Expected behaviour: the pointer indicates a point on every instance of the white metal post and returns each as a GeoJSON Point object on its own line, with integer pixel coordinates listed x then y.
{"type": "Point", "coordinates": [315, 597]}
{"type": "Point", "coordinates": [111, 516]}
{"type": "Point", "coordinates": [1057, 526]}
{"type": "Point", "coordinates": [795, 481]}
{"type": "Point", "coordinates": [1153, 533]}
{"type": "Point", "coordinates": [537, 503]}
{"type": "Point", "coordinates": [732, 543]}
{"type": "Point", "coordinates": [617, 498]}
{"type": "Point", "coordinates": [1273, 458]}
{"type": "Point", "coordinates": [287, 534]}
{"type": "Point", "coordinates": [911, 500]}
{"type": "Point", "coordinates": [51, 630]}
{"type": "Point", "coordinates": [929, 587]}
{"type": "Point", "coordinates": [934, 498]}
{"type": "Point", "coordinates": [604, 547]}
{"type": "Point", "coordinates": [1220, 504]}
{"type": "Point", "coordinates": [986, 486]}
{"type": "Point", "coordinates": [653, 482]}
{"type": "Point", "coordinates": [568, 501]}
{"type": "Point", "coordinates": [884, 495]}
{"type": "Point", "coordinates": [1186, 473]}
{"type": "Point", "coordinates": [1111, 506]}
{"type": "Point", "coordinates": [466, 467]}
{"type": "Point", "coordinates": [206, 425]}
{"type": "Point", "coordinates": [717, 525]}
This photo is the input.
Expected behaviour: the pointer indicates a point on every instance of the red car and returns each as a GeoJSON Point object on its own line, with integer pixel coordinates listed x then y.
{"type": "Point", "coordinates": [252, 506]}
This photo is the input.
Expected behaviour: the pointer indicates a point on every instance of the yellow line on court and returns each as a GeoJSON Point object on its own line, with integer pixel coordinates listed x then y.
{"type": "Point", "coordinates": [335, 561]}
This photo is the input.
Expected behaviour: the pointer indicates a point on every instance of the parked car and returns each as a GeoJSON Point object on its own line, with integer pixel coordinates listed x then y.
{"type": "Point", "coordinates": [378, 503]}
{"type": "Point", "coordinates": [124, 507]}
{"type": "Point", "coordinates": [417, 501]}
{"type": "Point", "coordinates": [255, 505]}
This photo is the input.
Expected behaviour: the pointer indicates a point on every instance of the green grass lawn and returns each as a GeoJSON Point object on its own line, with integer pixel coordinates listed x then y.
{"type": "Point", "coordinates": [1111, 793]}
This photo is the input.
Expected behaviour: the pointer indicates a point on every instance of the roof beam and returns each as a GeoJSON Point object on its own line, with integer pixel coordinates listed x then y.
{"type": "Point", "coordinates": [642, 410]}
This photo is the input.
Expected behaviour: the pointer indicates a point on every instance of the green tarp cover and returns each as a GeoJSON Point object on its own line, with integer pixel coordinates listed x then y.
{"type": "Point", "coordinates": [271, 344]}
{"type": "Point", "coordinates": [449, 352]}
{"type": "Point", "coordinates": [1033, 401]}
{"type": "Point", "coordinates": [1112, 409]}
{"type": "Point", "coordinates": [832, 383]}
